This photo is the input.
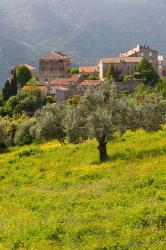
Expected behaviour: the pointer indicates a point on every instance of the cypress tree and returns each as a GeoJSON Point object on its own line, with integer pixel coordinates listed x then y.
{"type": "Point", "coordinates": [6, 91]}
{"type": "Point", "coordinates": [14, 83]}
{"type": "Point", "coordinates": [110, 72]}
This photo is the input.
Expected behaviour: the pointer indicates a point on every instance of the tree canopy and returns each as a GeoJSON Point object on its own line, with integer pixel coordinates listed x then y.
{"type": "Point", "coordinates": [23, 75]}
{"type": "Point", "coordinates": [74, 70]}
{"type": "Point", "coordinates": [110, 74]}
{"type": "Point", "coordinates": [104, 114]}
{"type": "Point", "coordinates": [147, 73]}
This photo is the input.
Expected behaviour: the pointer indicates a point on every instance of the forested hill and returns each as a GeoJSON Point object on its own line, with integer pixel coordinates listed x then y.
{"type": "Point", "coordinates": [85, 29]}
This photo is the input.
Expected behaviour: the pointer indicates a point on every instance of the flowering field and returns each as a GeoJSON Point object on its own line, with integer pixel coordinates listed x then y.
{"type": "Point", "coordinates": [59, 197]}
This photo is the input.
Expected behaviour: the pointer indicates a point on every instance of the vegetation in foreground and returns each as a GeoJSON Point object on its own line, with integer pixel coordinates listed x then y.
{"type": "Point", "coordinates": [58, 197]}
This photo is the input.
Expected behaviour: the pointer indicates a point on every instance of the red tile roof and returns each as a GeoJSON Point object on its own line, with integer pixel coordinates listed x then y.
{"type": "Point", "coordinates": [75, 77]}
{"type": "Point", "coordinates": [60, 81]}
{"type": "Point", "coordinates": [89, 83]}
{"type": "Point", "coordinates": [65, 81]}
{"type": "Point", "coordinates": [88, 69]}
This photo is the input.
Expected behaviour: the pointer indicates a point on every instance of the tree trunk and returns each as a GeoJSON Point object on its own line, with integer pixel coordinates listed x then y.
{"type": "Point", "coordinates": [102, 147]}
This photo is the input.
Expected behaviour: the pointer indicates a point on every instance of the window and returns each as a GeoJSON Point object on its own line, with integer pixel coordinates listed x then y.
{"type": "Point", "coordinates": [142, 54]}
{"type": "Point", "coordinates": [150, 53]}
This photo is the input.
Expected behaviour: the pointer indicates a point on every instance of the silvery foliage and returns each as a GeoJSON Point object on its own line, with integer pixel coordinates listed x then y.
{"type": "Point", "coordinates": [103, 114]}
{"type": "Point", "coordinates": [23, 134]}
{"type": "Point", "coordinates": [98, 115]}
{"type": "Point", "coordinates": [49, 123]}
{"type": "Point", "coordinates": [153, 113]}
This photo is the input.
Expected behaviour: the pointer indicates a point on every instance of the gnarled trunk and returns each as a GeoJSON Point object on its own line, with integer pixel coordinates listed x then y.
{"type": "Point", "coordinates": [102, 147]}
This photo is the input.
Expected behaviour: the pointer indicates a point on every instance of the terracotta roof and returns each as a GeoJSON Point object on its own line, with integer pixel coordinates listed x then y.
{"type": "Point", "coordinates": [90, 83]}
{"type": "Point", "coordinates": [88, 69]}
{"type": "Point", "coordinates": [65, 81]}
{"type": "Point", "coordinates": [122, 59]}
{"type": "Point", "coordinates": [60, 81]}
{"type": "Point", "coordinates": [39, 87]}
{"type": "Point", "coordinates": [75, 77]}
{"type": "Point", "coordinates": [55, 55]}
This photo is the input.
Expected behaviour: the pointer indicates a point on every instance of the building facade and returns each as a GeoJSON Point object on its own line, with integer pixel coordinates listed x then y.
{"type": "Point", "coordinates": [55, 65]}
{"type": "Point", "coordinates": [144, 51]}
{"type": "Point", "coordinates": [72, 82]}
{"type": "Point", "coordinates": [122, 66]}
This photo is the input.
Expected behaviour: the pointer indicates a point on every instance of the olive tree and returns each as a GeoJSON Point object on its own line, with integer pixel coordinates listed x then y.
{"type": "Point", "coordinates": [153, 112]}
{"type": "Point", "coordinates": [49, 123]}
{"type": "Point", "coordinates": [104, 114]}
{"type": "Point", "coordinates": [23, 134]}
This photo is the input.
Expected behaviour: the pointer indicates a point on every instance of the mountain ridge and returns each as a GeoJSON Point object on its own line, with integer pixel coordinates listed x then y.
{"type": "Point", "coordinates": [85, 29]}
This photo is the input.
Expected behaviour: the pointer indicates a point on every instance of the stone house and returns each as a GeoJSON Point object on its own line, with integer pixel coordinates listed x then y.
{"type": "Point", "coordinates": [55, 65]}
{"type": "Point", "coordinates": [72, 82]}
{"type": "Point", "coordinates": [145, 51]}
{"type": "Point", "coordinates": [161, 66]}
{"type": "Point", "coordinates": [122, 65]}
{"type": "Point", "coordinates": [88, 84]}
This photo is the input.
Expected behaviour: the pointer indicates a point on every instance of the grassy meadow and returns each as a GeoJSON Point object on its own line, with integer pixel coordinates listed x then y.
{"type": "Point", "coordinates": [59, 197]}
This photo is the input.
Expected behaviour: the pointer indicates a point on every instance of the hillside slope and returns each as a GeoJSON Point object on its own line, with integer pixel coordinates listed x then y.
{"type": "Point", "coordinates": [85, 29]}
{"type": "Point", "coordinates": [55, 197]}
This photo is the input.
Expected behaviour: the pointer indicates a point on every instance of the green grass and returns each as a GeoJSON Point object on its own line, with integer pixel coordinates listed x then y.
{"type": "Point", "coordinates": [59, 197]}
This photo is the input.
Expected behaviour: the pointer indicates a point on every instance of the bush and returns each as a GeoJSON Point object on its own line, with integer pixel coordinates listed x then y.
{"type": "Point", "coordinates": [92, 77]}
{"type": "Point", "coordinates": [127, 78]}
{"type": "Point", "coordinates": [49, 124]}
{"type": "Point", "coordinates": [49, 100]}
{"type": "Point", "coordinates": [23, 135]}
{"type": "Point", "coordinates": [74, 71]}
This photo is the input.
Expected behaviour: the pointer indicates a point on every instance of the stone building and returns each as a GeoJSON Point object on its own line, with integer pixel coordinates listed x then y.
{"type": "Point", "coordinates": [144, 51]}
{"type": "Point", "coordinates": [72, 82]}
{"type": "Point", "coordinates": [123, 66]}
{"type": "Point", "coordinates": [55, 65]}
{"type": "Point", "coordinates": [88, 84]}
{"type": "Point", "coordinates": [161, 66]}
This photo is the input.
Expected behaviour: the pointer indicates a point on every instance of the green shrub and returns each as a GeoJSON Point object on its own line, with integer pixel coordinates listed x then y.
{"type": "Point", "coordinates": [23, 135]}
{"type": "Point", "coordinates": [127, 78]}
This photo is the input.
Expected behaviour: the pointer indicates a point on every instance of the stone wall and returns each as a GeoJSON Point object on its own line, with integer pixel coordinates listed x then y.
{"type": "Point", "coordinates": [50, 69]}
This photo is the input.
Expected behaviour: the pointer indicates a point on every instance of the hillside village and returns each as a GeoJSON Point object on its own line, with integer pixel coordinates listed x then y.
{"type": "Point", "coordinates": [55, 79]}
{"type": "Point", "coordinates": [71, 169]}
